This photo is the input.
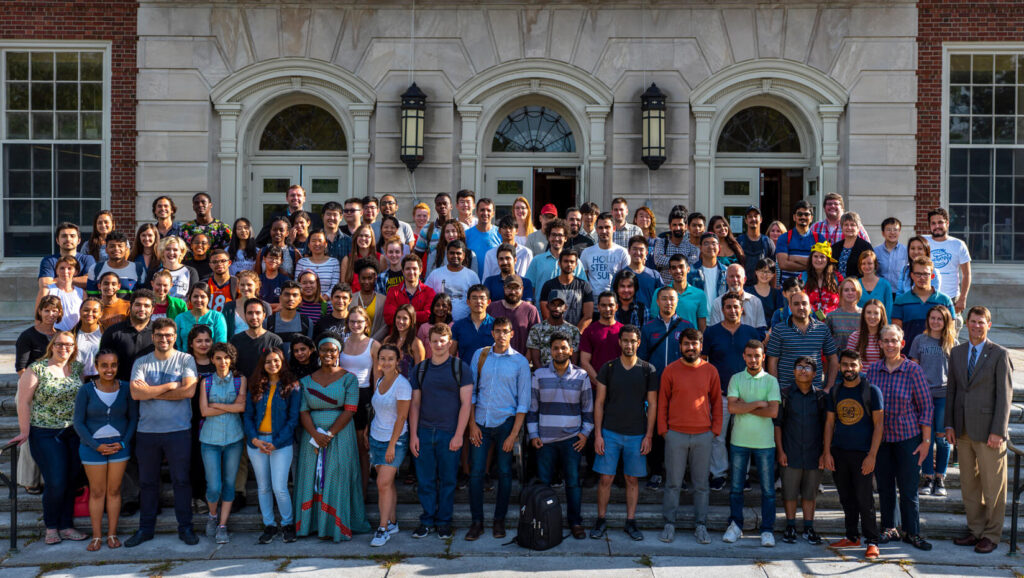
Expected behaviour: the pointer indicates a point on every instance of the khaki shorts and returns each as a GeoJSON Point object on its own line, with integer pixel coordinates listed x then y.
{"type": "Point", "coordinates": [800, 483]}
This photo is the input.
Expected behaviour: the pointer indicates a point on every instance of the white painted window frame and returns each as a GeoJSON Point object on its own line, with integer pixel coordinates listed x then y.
{"type": "Point", "coordinates": [994, 269]}
{"type": "Point", "coordinates": [58, 46]}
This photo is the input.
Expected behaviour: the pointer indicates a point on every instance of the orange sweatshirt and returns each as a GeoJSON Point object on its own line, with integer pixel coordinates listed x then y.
{"type": "Point", "coordinates": [690, 399]}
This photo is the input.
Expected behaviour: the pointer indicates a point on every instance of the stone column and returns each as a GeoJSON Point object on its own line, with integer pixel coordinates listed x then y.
{"type": "Point", "coordinates": [829, 114]}
{"type": "Point", "coordinates": [360, 152]}
{"type": "Point", "coordinates": [230, 189]}
{"type": "Point", "coordinates": [703, 160]}
{"type": "Point", "coordinates": [468, 156]}
{"type": "Point", "coordinates": [596, 156]}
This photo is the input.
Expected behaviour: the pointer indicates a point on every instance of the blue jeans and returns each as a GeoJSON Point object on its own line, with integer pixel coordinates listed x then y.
{"type": "Point", "coordinates": [271, 473]}
{"type": "Point", "coordinates": [55, 450]}
{"type": "Point", "coordinates": [437, 470]}
{"type": "Point", "coordinates": [221, 465]}
{"type": "Point", "coordinates": [739, 461]}
{"type": "Point", "coordinates": [151, 449]}
{"type": "Point", "coordinates": [478, 464]}
{"type": "Point", "coordinates": [547, 457]}
{"type": "Point", "coordinates": [896, 467]}
{"type": "Point", "coordinates": [938, 453]}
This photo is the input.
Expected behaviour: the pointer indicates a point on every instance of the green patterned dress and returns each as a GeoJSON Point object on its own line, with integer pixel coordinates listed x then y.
{"type": "Point", "coordinates": [328, 494]}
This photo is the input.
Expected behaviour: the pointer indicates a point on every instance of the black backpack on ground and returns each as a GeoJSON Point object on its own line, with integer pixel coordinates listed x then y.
{"type": "Point", "coordinates": [540, 518]}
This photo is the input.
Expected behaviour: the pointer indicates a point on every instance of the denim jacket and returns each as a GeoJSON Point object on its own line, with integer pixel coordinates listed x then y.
{"type": "Point", "coordinates": [283, 420]}
{"type": "Point", "coordinates": [696, 278]}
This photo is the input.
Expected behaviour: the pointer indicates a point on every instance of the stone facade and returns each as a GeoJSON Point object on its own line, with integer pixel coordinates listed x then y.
{"type": "Point", "coordinates": [205, 69]}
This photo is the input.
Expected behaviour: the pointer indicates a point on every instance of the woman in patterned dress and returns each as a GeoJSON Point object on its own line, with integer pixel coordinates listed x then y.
{"type": "Point", "coordinates": [328, 494]}
{"type": "Point", "coordinates": [46, 405]}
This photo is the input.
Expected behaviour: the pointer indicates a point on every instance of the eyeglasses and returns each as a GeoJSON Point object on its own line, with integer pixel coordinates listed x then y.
{"type": "Point", "coordinates": [64, 345]}
{"type": "Point", "coordinates": [921, 273]}
{"type": "Point", "coordinates": [804, 368]}
{"type": "Point", "coordinates": [503, 331]}
{"type": "Point", "coordinates": [164, 336]}
{"type": "Point", "coordinates": [350, 211]}
{"type": "Point", "coordinates": [383, 203]}
{"type": "Point", "coordinates": [219, 262]}
{"type": "Point", "coordinates": [804, 214]}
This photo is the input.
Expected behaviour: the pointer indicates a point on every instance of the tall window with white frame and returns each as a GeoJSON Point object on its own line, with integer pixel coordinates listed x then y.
{"type": "Point", "coordinates": [52, 138]}
{"type": "Point", "coordinates": [986, 153]}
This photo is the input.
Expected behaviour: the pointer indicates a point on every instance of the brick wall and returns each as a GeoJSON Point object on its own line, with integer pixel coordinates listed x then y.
{"type": "Point", "coordinates": [113, 21]}
{"type": "Point", "coordinates": [942, 21]}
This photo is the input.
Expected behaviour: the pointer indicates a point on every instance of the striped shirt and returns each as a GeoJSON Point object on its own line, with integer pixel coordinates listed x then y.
{"type": "Point", "coordinates": [908, 401]}
{"type": "Point", "coordinates": [834, 234]}
{"type": "Point", "coordinates": [328, 272]}
{"type": "Point", "coordinates": [561, 406]}
{"type": "Point", "coordinates": [663, 251]}
{"type": "Point", "coordinates": [872, 352]}
{"type": "Point", "coordinates": [788, 343]}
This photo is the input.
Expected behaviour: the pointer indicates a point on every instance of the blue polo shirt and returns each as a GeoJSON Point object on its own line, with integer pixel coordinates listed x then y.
{"type": "Point", "coordinates": [793, 243]}
{"type": "Point", "coordinates": [913, 313]}
{"type": "Point", "coordinates": [496, 287]}
{"type": "Point", "coordinates": [724, 350]}
{"type": "Point", "coordinates": [471, 338]}
{"type": "Point", "coordinates": [480, 243]}
{"type": "Point", "coordinates": [48, 265]}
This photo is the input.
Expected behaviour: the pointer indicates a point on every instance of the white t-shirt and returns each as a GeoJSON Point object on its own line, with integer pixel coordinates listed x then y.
{"type": "Point", "coordinates": [385, 409]}
{"type": "Point", "coordinates": [947, 256]}
{"type": "Point", "coordinates": [180, 282]}
{"type": "Point", "coordinates": [601, 265]}
{"type": "Point", "coordinates": [71, 301]}
{"type": "Point", "coordinates": [456, 285]}
{"type": "Point", "coordinates": [710, 285]}
{"type": "Point", "coordinates": [88, 347]}
{"type": "Point", "coordinates": [523, 258]}
{"type": "Point", "coordinates": [328, 272]}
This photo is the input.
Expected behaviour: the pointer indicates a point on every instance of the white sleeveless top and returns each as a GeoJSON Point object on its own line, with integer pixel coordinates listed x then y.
{"type": "Point", "coordinates": [359, 365]}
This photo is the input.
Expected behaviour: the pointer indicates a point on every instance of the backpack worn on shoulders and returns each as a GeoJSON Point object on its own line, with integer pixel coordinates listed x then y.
{"type": "Point", "coordinates": [865, 394]}
{"type": "Point", "coordinates": [540, 519]}
{"type": "Point", "coordinates": [421, 370]}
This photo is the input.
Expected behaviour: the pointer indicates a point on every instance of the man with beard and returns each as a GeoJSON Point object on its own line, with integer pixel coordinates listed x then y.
{"type": "Point", "coordinates": [217, 231]}
{"type": "Point", "coordinates": [793, 248]}
{"type": "Point", "coordinates": [754, 399]}
{"type": "Point", "coordinates": [753, 312]}
{"type": "Point", "coordinates": [577, 240]}
{"type": "Point", "coordinates": [523, 256]}
{"type": "Point", "coordinates": [537, 345]}
{"type": "Point", "coordinates": [577, 293]}
{"type": "Point", "coordinates": [689, 416]}
{"type": "Point", "coordinates": [523, 315]}
{"type": "Point", "coordinates": [952, 260]}
{"type": "Point", "coordinates": [625, 410]}
{"type": "Point", "coordinates": [544, 266]}
{"type": "Point", "coordinates": [454, 279]}
{"type": "Point", "coordinates": [801, 334]}
{"type": "Point", "coordinates": [296, 199]}
{"type": "Point", "coordinates": [755, 245]}
{"type": "Point", "coordinates": [255, 341]}
{"type": "Point", "coordinates": [675, 243]}
{"type": "Point", "coordinates": [484, 236]}
{"type": "Point", "coordinates": [389, 208]}
{"type": "Point", "coordinates": [830, 229]}
{"type": "Point", "coordinates": [604, 260]}
{"type": "Point", "coordinates": [508, 265]}
{"type": "Point", "coordinates": [559, 421]}
{"type": "Point", "coordinates": [853, 434]}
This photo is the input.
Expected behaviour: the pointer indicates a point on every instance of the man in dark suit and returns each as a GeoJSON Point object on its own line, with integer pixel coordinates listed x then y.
{"type": "Point", "coordinates": [296, 198]}
{"type": "Point", "coordinates": [977, 418]}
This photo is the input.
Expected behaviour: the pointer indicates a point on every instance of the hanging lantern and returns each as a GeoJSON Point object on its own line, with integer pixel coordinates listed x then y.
{"type": "Point", "coordinates": [652, 119]}
{"type": "Point", "coordinates": [414, 106]}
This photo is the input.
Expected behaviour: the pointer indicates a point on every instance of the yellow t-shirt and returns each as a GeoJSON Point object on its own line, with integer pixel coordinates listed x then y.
{"type": "Point", "coordinates": [265, 423]}
{"type": "Point", "coordinates": [371, 311]}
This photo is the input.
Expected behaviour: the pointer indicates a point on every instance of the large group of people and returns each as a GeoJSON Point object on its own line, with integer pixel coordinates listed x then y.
{"type": "Point", "coordinates": [349, 347]}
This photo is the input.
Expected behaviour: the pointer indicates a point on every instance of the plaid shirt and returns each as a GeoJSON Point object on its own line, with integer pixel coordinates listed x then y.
{"type": "Point", "coordinates": [623, 234]}
{"type": "Point", "coordinates": [663, 251]}
{"type": "Point", "coordinates": [340, 247]}
{"type": "Point", "coordinates": [908, 402]}
{"type": "Point", "coordinates": [834, 234]}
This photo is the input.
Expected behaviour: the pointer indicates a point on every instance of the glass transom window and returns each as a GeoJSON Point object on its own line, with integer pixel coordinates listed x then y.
{"type": "Point", "coordinates": [303, 127]}
{"type": "Point", "coordinates": [533, 129]}
{"type": "Point", "coordinates": [985, 185]}
{"type": "Point", "coordinates": [52, 143]}
{"type": "Point", "coordinates": [759, 129]}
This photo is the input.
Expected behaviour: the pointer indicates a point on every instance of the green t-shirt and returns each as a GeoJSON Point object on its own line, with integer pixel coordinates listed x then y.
{"type": "Point", "coordinates": [749, 430]}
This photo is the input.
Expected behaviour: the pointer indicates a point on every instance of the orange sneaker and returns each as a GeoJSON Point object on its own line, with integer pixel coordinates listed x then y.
{"type": "Point", "coordinates": [845, 543]}
{"type": "Point", "coordinates": [872, 552]}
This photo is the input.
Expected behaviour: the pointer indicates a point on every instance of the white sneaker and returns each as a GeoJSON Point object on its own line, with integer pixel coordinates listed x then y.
{"type": "Point", "coordinates": [668, 534]}
{"type": "Point", "coordinates": [733, 533]}
{"type": "Point", "coordinates": [701, 533]}
{"type": "Point", "coordinates": [768, 539]}
{"type": "Point", "coordinates": [380, 538]}
{"type": "Point", "coordinates": [392, 528]}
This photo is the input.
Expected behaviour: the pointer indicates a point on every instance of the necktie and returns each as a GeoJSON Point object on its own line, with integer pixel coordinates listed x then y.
{"type": "Point", "coordinates": [971, 361]}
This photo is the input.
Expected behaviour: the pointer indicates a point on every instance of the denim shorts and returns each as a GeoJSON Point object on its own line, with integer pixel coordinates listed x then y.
{"type": "Point", "coordinates": [378, 451]}
{"type": "Point", "coordinates": [91, 457]}
{"type": "Point", "coordinates": [615, 445]}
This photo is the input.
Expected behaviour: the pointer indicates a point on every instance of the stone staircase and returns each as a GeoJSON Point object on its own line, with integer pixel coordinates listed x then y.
{"type": "Point", "coordinates": [940, 517]}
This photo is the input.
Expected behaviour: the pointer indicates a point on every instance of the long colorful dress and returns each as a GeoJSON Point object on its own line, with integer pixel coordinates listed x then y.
{"type": "Point", "coordinates": [328, 494]}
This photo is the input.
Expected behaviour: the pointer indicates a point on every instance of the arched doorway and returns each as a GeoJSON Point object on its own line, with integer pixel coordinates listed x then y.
{"type": "Point", "coordinates": [532, 153]}
{"type": "Point", "coordinates": [297, 141]}
{"type": "Point", "coordinates": [760, 162]}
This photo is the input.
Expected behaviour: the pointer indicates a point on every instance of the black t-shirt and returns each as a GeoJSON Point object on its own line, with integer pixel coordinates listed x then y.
{"type": "Point", "coordinates": [625, 406]}
{"type": "Point", "coordinates": [31, 345]}
{"type": "Point", "coordinates": [576, 294]}
{"type": "Point", "coordinates": [250, 350]}
{"type": "Point", "coordinates": [329, 326]}
{"type": "Point", "coordinates": [854, 425]}
{"type": "Point", "coordinates": [129, 343]}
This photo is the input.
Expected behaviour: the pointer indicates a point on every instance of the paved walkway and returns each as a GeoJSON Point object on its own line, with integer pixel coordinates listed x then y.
{"type": "Point", "coordinates": [403, 556]}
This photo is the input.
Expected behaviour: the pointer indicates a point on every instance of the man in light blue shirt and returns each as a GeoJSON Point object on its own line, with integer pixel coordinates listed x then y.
{"type": "Point", "coordinates": [544, 266]}
{"type": "Point", "coordinates": [484, 236]}
{"type": "Point", "coordinates": [501, 399]}
{"type": "Point", "coordinates": [892, 255]}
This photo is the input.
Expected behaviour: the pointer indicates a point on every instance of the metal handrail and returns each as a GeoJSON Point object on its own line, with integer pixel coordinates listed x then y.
{"type": "Point", "coordinates": [1017, 491]}
{"type": "Point", "coordinates": [12, 488]}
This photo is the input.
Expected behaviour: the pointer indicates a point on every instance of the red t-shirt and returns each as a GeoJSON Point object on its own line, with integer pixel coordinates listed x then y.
{"type": "Point", "coordinates": [601, 342]}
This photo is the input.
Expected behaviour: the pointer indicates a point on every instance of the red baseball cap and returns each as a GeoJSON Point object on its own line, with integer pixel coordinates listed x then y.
{"type": "Point", "coordinates": [549, 209]}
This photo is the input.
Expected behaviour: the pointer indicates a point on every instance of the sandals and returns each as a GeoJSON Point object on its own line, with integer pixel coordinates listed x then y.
{"type": "Point", "coordinates": [72, 534]}
{"type": "Point", "coordinates": [52, 537]}
{"type": "Point", "coordinates": [34, 490]}
{"type": "Point", "coordinates": [94, 545]}
{"type": "Point", "coordinates": [113, 542]}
